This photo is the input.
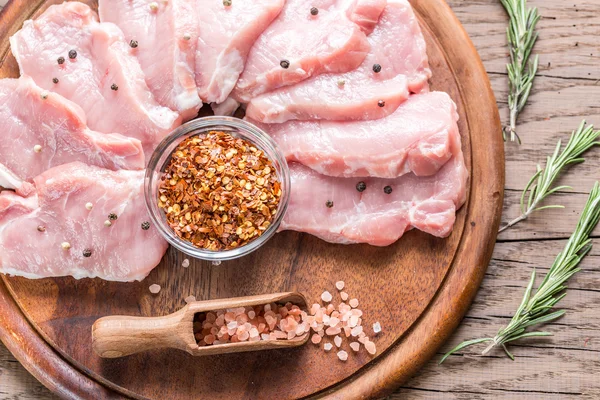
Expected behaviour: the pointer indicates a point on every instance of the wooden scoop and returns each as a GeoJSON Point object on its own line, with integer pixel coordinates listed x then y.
{"type": "Point", "coordinates": [118, 336]}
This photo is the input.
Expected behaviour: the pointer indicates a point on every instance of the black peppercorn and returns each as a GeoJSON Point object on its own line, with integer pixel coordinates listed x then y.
{"type": "Point", "coordinates": [72, 54]}
{"type": "Point", "coordinates": [114, 87]}
{"type": "Point", "coordinates": [381, 103]}
{"type": "Point", "coordinates": [55, 80]}
{"type": "Point", "coordinates": [87, 253]}
{"type": "Point", "coordinates": [145, 225]}
{"type": "Point", "coordinates": [60, 60]}
{"type": "Point", "coordinates": [133, 44]}
{"type": "Point", "coordinates": [361, 186]}
{"type": "Point", "coordinates": [112, 216]}
{"type": "Point", "coordinates": [314, 11]}
{"type": "Point", "coordinates": [387, 190]}
{"type": "Point", "coordinates": [285, 64]}
{"type": "Point", "coordinates": [376, 68]}
{"type": "Point", "coordinates": [329, 204]}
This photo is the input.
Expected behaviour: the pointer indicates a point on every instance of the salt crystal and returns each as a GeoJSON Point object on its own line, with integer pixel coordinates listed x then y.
{"type": "Point", "coordinates": [314, 309]}
{"type": "Point", "coordinates": [353, 321]}
{"type": "Point", "coordinates": [342, 355]}
{"type": "Point", "coordinates": [331, 331]}
{"type": "Point", "coordinates": [344, 296]}
{"type": "Point", "coordinates": [338, 341]}
{"type": "Point", "coordinates": [357, 330]}
{"type": "Point", "coordinates": [376, 327]}
{"type": "Point", "coordinates": [190, 299]}
{"type": "Point", "coordinates": [244, 336]}
{"type": "Point", "coordinates": [316, 339]}
{"type": "Point", "coordinates": [370, 346]}
{"type": "Point", "coordinates": [355, 346]}
{"type": "Point", "coordinates": [253, 332]}
{"type": "Point", "coordinates": [267, 307]}
{"type": "Point", "coordinates": [291, 335]}
{"type": "Point", "coordinates": [251, 314]}
{"type": "Point", "coordinates": [185, 263]}
{"type": "Point", "coordinates": [333, 321]}
{"type": "Point", "coordinates": [209, 339]}
{"type": "Point", "coordinates": [326, 296]}
{"type": "Point", "coordinates": [339, 285]}
{"type": "Point", "coordinates": [265, 336]}
{"type": "Point", "coordinates": [232, 325]}
{"type": "Point", "coordinates": [347, 331]}
{"type": "Point", "coordinates": [154, 289]}
{"type": "Point", "coordinates": [327, 346]}
{"type": "Point", "coordinates": [353, 303]}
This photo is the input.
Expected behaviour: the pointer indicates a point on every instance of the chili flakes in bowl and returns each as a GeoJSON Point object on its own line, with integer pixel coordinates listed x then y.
{"type": "Point", "coordinates": [219, 192]}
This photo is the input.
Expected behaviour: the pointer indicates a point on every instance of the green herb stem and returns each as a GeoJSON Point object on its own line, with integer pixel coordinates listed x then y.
{"type": "Point", "coordinates": [541, 183]}
{"type": "Point", "coordinates": [521, 36]}
{"type": "Point", "coordinates": [537, 308]}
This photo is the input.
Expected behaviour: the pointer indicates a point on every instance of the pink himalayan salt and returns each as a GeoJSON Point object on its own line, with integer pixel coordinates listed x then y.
{"type": "Point", "coordinates": [344, 296]}
{"type": "Point", "coordinates": [316, 339]}
{"type": "Point", "coordinates": [190, 299]}
{"type": "Point", "coordinates": [330, 309]}
{"type": "Point", "coordinates": [154, 289]}
{"type": "Point", "coordinates": [339, 285]}
{"type": "Point", "coordinates": [326, 296]}
{"type": "Point", "coordinates": [327, 346]}
{"type": "Point", "coordinates": [332, 331]}
{"type": "Point", "coordinates": [355, 346]}
{"type": "Point", "coordinates": [333, 321]}
{"type": "Point", "coordinates": [342, 355]}
{"type": "Point", "coordinates": [370, 346]}
{"type": "Point", "coordinates": [338, 341]}
{"type": "Point", "coordinates": [353, 303]}
{"type": "Point", "coordinates": [185, 263]}
{"type": "Point", "coordinates": [376, 327]}
{"type": "Point", "coordinates": [251, 314]}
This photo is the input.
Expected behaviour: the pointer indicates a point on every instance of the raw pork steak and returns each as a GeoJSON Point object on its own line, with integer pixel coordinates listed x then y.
{"type": "Point", "coordinates": [30, 117]}
{"type": "Point", "coordinates": [33, 228]}
{"type": "Point", "coordinates": [357, 95]}
{"type": "Point", "coordinates": [166, 33]}
{"type": "Point", "coordinates": [226, 35]}
{"type": "Point", "coordinates": [374, 217]}
{"type": "Point", "coordinates": [298, 45]}
{"type": "Point", "coordinates": [104, 79]}
{"type": "Point", "coordinates": [416, 138]}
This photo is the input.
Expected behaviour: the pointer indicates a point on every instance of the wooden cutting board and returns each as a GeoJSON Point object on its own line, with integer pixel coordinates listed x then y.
{"type": "Point", "coordinates": [418, 289]}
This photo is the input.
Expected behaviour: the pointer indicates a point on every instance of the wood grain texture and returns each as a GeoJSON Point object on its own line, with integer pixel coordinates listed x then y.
{"type": "Point", "coordinates": [564, 366]}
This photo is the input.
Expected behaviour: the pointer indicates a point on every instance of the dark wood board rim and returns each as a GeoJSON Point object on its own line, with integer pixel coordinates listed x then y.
{"type": "Point", "coordinates": [437, 322]}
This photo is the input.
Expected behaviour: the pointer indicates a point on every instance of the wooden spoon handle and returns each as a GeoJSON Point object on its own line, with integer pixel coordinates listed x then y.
{"type": "Point", "coordinates": [118, 336]}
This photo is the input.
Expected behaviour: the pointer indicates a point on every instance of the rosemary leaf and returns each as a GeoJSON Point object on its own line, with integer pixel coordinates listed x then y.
{"type": "Point", "coordinates": [536, 308]}
{"type": "Point", "coordinates": [521, 70]}
{"type": "Point", "coordinates": [540, 185]}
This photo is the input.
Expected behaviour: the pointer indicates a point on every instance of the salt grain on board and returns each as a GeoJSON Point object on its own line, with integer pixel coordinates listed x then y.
{"type": "Point", "coordinates": [376, 327]}
{"type": "Point", "coordinates": [154, 289]}
{"type": "Point", "coordinates": [185, 263]}
{"type": "Point", "coordinates": [355, 346]}
{"type": "Point", "coordinates": [326, 296]}
{"type": "Point", "coordinates": [327, 346]}
{"type": "Point", "coordinates": [339, 285]}
{"type": "Point", "coordinates": [344, 296]}
{"type": "Point", "coordinates": [338, 341]}
{"type": "Point", "coordinates": [190, 299]}
{"type": "Point", "coordinates": [342, 355]}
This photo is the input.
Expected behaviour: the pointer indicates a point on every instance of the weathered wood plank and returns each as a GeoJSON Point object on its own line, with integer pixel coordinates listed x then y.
{"type": "Point", "coordinates": [567, 91]}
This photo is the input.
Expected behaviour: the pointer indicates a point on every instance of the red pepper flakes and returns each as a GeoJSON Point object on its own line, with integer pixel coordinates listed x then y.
{"type": "Point", "coordinates": [219, 192]}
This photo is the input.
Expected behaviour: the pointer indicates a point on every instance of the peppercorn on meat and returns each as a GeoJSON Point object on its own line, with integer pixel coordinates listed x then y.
{"type": "Point", "coordinates": [95, 69]}
{"type": "Point", "coordinates": [396, 65]}
{"type": "Point", "coordinates": [42, 129]}
{"type": "Point", "coordinates": [163, 36]}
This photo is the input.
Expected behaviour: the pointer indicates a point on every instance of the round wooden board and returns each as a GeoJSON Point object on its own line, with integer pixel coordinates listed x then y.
{"type": "Point", "coordinates": [418, 288]}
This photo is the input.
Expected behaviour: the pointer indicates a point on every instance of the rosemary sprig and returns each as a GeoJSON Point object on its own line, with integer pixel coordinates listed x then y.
{"type": "Point", "coordinates": [540, 185]}
{"type": "Point", "coordinates": [522, 36]}
{"type": "Point", "coordinates": [537, 308]}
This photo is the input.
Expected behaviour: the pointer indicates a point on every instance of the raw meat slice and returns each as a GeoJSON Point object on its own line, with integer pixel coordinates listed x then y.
{"type": "Point", "coordinates": [31, 116]}
{"type": "Point", "coordinates": [357, 95]}
{"type": "Point", "coordinates": [416, 138]}
{"type": "Point", "coordinates": [33, 228]}
{"type": "Point", "coordinates": [227, 34]}
{"type": "Point", "coordinates": [166, 33]}
{"type": "Point", "coordinates": [312, 45]}
{"type": "Point", "coordinates": [425, 203]}
{"type": "Point", "coordinates": [103, 60]}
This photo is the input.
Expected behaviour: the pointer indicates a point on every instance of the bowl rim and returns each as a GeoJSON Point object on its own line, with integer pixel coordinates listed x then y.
{"type": "Point", "coordinates": [242, 129]}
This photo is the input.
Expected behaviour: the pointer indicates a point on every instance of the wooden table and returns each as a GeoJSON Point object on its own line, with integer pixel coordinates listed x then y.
{"type": "Point", "coordinates": [566, 91]}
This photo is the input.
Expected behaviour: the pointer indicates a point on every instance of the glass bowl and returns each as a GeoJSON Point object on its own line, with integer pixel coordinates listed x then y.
{"type": "Point", "coordinates": [237, 128]}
